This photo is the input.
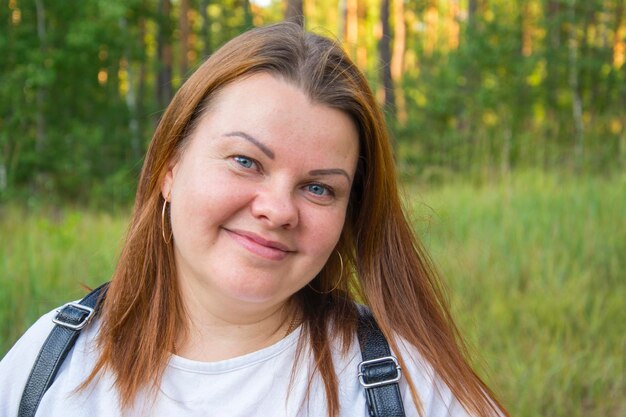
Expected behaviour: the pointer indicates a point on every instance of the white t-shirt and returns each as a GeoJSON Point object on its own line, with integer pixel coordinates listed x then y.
{"type": "Point", "coordinates": [256, 384]}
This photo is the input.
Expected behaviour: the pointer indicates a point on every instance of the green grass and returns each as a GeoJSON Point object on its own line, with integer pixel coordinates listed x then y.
{"type": "Point", "coordinates": [535, 267]}
{"type": "Point", "coordinates": [47, 258]}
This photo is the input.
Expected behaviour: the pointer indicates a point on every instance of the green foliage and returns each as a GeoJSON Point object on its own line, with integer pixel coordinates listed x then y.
{"type": "Point", "coordinates": [65, 126]}
{"type": "Point", "coordinates": [497, 103]}
{"type": "Point", "coordinates": [535, 261]}
{"type": "Point", "coordinates": [48, 258]}
{"type": "Point", "coordinates": [534, 266]}
{"type": "Point", "coordinates": [78, 85]}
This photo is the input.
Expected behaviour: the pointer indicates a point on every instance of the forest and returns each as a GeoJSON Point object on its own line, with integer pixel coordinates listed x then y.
{"type": "Point", "coordinates": [508, 120]}
{"type": "Point", "coordinates": [475, 88]}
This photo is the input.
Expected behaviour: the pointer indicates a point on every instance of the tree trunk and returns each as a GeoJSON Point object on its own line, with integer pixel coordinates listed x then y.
{"type": "Point", "coordinates": [526, 28]}
{"type": "Point", "coordinates": [352, 26]}
{"type": "Point", "coordinates": [384, 49]}
{"type": "Point", "coordinates": [577, 108]}
{"type": "Point", "coordinates": [553, 77]}
{"type": "Point", "coordinates": [472, 9]}
{"type": "Point", "coordinates": [295, 12]}
{"type": "Point", "coordinates": [469, 115]}
{"type": "Point", "coordinates": [431, 21]}
{"type": "Point", "coordinates": [130, 95]}
{"type": "Point", "coordinates": [184, 38]}
{"type": "Point", "coordinates": [164, 76]}
{"type": "Point", "coordinates": [619, 46]}
{"type": "Point", "coordinates": [587, 78]}
{"type": "Point", "coordinates": [343, 15]}
{"type": "Point", "coordinates": [361, 47]}
{"type": "Point", "coordinates": [40, 123]}
{"type": "Point", "coordinates": [205, 29]}
{"type": "Point", "coordinates": [141, 87]}
{"type": "Point", "coordinates": [248, 21]}
{"type": "Point", "coordinates": [554, 10]}
{"type": "Point", "coordinates": [619, 52]}
{"type": "Point", "coordinates": [397, 59]}
{"type": "Point", "coordinates": [453, 25]}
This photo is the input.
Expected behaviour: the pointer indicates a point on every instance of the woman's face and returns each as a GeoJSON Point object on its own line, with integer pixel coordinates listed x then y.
{"type": "Point", "coordinates": [259, 194]}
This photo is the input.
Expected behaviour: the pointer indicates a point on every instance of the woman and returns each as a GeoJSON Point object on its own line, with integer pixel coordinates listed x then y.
{"type": "Point", "coordinates": [266, 207]}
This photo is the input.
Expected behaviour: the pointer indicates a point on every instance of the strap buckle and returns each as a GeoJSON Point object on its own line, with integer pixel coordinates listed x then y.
{"type": "Point", "coordinates": [72, 324]}
{"type": "Point", "coordinates": [363, 365]}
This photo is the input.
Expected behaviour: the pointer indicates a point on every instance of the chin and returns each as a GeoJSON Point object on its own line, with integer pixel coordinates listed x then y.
{"type": "Point", "coordinates": [258, 294]}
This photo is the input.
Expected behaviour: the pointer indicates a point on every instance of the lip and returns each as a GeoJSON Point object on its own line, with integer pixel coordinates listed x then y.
{"type": "Point", "coordinates": [258, 245]}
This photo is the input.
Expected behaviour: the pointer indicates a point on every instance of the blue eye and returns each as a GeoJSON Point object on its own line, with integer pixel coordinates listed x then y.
{"type": "Point", "coordinates": [317, 189]}
{"type": "Point", "coordinates": [244, 162]}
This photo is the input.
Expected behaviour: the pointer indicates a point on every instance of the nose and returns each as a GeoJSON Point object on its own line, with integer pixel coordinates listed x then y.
{"type": "Point", "coordinates": [274, 205]}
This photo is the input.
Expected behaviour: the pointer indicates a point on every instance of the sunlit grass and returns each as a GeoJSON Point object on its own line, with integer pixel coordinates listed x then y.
{"type": "Point", "coordinates": [47, 258]}
{"type": "Point", "coordinates": [536, 270]}
{"type": "Point", "coordinates": [535, 267]}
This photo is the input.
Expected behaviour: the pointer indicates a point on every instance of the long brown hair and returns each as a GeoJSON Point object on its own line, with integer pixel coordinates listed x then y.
{"type": "Point", "coordinates": [387, 267]}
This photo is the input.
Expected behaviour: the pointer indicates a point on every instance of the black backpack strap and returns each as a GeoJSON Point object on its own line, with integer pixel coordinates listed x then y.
{"type": "Point", "coordinates": [70, 320]}
{"type": "Point", "coordinates": [379, 372]}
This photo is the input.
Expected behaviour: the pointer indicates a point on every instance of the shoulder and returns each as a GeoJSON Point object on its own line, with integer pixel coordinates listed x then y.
{"type": "Point", "coordinates": [28, 346]}
{"type": "Point", "coordinates": [17, 363]}
{"type": "Point", "coordinates": [16, 366]}
{"type": "Point", "coordinates": [434, 396]}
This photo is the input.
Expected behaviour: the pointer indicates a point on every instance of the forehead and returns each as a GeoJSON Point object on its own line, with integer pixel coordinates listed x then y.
{"type": "Point", "coordinates": [276, 111]}
{"type": "Point", "coordinates": [256, 89]}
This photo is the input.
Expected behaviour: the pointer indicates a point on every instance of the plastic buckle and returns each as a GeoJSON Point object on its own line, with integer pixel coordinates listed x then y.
{"type": "Point", "coordinates": [83, 320]}
{"type": "Point", "coordinates": [364, 364]}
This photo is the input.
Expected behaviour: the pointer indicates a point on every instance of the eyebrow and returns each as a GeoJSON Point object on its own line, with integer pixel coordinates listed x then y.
{"type": "Point", "coordinates": [330, 171]}
{"type": "Point", "coordinates": [267, 151]}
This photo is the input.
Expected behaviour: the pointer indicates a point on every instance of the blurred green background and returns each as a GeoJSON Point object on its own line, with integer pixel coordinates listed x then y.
{"type": "Point", "coordinates": [509, 125]}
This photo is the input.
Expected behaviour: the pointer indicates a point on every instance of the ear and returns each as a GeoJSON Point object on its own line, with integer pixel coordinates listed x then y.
{"type": "Point", "coordinates": [168, 181]}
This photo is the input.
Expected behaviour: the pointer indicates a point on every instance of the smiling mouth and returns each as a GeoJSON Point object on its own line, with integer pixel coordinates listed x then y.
{"type": "Point", "coordinates": [267, 249]}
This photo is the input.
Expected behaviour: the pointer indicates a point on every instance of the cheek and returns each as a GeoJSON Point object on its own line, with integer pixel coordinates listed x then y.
{"type": "Point", "coordinates": [323, 232]}
{"type": "Point", "coordinates": [196, 207]}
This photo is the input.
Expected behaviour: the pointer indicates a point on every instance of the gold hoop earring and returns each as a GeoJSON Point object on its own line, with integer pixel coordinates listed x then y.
{"type": "Point", "coordinates": [167, 241]}
{"type": "Point", "coordinates": [338, 281]}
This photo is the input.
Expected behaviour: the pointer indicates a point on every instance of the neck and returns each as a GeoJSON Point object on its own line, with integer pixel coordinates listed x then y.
{"type": "Point", "coordinates": [217, 330]}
